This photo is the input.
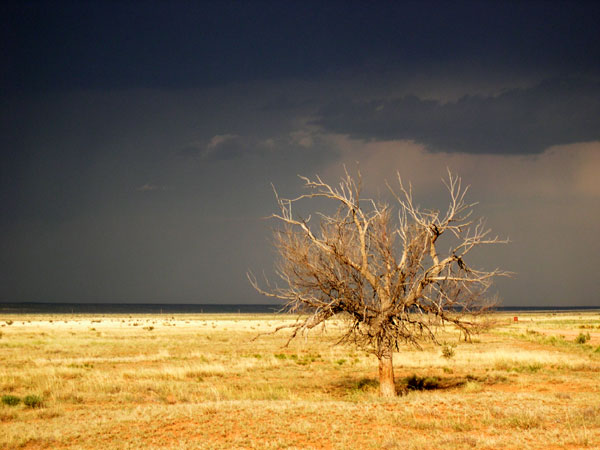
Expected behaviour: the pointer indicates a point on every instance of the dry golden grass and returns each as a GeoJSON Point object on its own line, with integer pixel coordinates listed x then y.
{"type": "Point", "coordinates": [201, 381]}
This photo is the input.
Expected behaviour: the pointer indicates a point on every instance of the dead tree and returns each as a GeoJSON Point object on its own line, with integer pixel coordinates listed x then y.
{"type": "Point", "coordinates": [381, 271]}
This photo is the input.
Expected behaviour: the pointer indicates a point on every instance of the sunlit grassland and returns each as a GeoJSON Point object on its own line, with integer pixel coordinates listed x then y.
{"type": "Point", "coordinates": [207, 381]}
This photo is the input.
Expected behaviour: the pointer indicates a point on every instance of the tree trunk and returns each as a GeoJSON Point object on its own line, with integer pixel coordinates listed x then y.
{"type": "Point", "coordinates": [387, 388]}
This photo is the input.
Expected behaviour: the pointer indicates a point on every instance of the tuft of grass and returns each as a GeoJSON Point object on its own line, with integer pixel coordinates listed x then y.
{"type": "Point", "coordinates": [10, 400]}
{"type": "Point", "coordinates": [533, 368]}
{"type": "Point", "coordinates": [33, 401]}
{"type": "Point", "coordinates": [582, 338]}
{"type": "Point", "coordinates": [448, 351]}
{"type": "Point", "coordinates": [472, 386]}
{"type": "Point", "coordinates": [461, 426]}
{"type": "Point", "coordinates": [525, 420]}
{"type": "Point", "coordinates": [85, 365]}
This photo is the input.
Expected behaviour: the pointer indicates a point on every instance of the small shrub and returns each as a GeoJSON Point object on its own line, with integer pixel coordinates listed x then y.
{"type": "Point", "coordinates": [448, 351]}
{"type": "Point", "coordinates": [582, 338]}
{"type": "Point", "coordinates": [33, 401]}
{"type": "Point", "coordinates": [280, 356]}
{"type": "Point", "coordinates": [431, 383]}
{"type": "Point", "coordinates": [10, 400]}
{"type": "Point", "coordinates": [340, 362]}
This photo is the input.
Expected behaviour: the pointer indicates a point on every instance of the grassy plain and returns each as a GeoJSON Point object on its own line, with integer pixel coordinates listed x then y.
{"type": "Point", "coordinates": [201, 381]}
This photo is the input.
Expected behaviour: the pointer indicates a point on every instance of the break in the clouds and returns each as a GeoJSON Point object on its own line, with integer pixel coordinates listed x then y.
{"type": "Point", "coordinates": [524, 120]}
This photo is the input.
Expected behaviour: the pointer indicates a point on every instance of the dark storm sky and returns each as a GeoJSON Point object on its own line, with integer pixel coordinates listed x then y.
{"type": "Point", "coordinates": [139, 139]}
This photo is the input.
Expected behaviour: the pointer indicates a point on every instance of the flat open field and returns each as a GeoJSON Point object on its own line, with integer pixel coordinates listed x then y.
{"type": "Point", "coordinates": [200, 381]}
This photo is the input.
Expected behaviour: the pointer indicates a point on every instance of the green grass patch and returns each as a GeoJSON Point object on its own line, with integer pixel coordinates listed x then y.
{"type": "Point", "coordinates": [10, 400]}
{"type": "Point", "coordinates": [582, 338]}
{"type": "Point", "coordinates": [33, 401]}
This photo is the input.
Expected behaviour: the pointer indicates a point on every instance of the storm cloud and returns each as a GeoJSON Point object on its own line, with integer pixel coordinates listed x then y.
{"type": "Point", "coordinates": [139, 141]}
{"type": "Point", "coordinates": [554, 112]}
